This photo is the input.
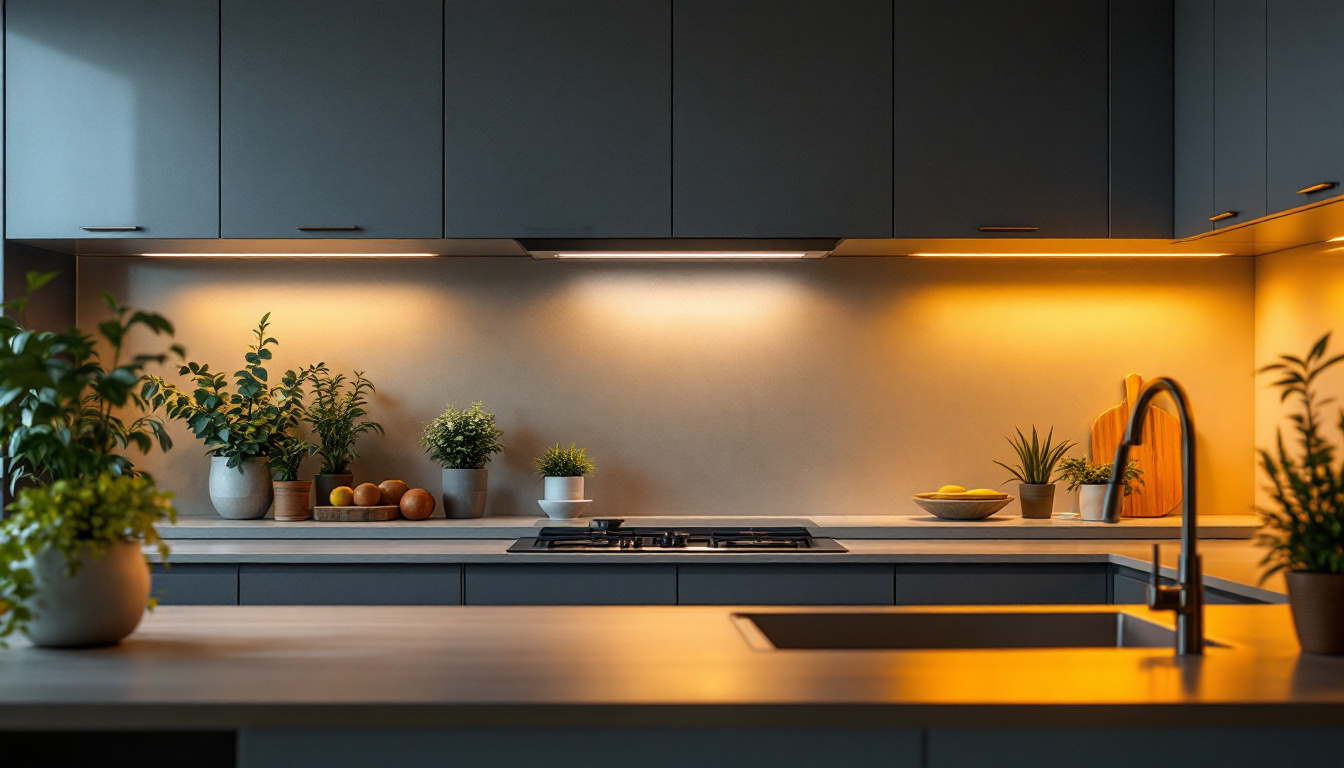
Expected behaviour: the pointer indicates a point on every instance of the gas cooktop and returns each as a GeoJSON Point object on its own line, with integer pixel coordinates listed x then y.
{"type": "Point", "coordinates": [609, 535]}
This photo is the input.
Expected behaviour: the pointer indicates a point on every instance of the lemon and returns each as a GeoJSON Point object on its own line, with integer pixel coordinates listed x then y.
{"type": "Point", "coordinates": [983, 492]}
{"type": "Point", "coordinates": [951, 489]}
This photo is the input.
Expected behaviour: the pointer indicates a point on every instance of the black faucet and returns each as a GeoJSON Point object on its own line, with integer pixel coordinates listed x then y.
{"type": "Point", "coordinates": [1187, 598]}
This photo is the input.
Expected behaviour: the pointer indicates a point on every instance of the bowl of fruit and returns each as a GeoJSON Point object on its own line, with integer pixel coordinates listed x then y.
{"type": "Point", "coordinates": [953, 502]}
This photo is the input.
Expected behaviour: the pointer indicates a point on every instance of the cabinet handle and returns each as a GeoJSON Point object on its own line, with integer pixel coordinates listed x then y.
{"type": "Point", "coordinates": [328, 229]}
{"type": "Point", "coordinates": [110, 229]}
{"type": "Point", "coordinates": [1224, 215]}
{"type": "Point", "coordinates": [1009, 229]}
{"type": "Point", "coordinates": [1324, 185]}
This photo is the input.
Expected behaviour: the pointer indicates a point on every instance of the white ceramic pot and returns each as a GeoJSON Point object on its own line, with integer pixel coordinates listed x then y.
{"type": "Point", "coordinates": [244, 495]}
{"type": "Point", "coordinates": [564, 489]}
{"type": "Point", "coordinates": [97, 606]}
{"type": "Point", "coordinates": [464, 492]}
{"type": "Point", "coordinates": [1091, 498]}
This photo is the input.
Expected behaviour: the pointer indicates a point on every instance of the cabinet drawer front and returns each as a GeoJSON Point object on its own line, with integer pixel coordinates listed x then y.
{"type": "Point", "coordinates": [196, 584]}
{"type": "Point", "coordinates": [571, 585]}
{"type": "Point", "coordinates": [1000, 585]}
{"type": "Point", "coordinates": [350, 585]}
{"type": "Point", "coordinates": [784, 585]}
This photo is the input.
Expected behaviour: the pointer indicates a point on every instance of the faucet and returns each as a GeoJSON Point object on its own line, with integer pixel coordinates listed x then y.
{"type": "Point", "coordinates": [1187, 598]}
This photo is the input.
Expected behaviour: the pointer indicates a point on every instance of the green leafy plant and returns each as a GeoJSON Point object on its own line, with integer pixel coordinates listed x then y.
{"type": "Point", "coordinates": [558, 461]}
{"type": "Point", "coordinates": [1037, 460]}
{"type": "Point", "coordinates": [336, 413]}
{"type": "Point", "coordinates": [462, 439]}
{"type": "Point", "coordinates": [287, 457]}
{"type": "Point", "coordinates": [74, 516]}
{"type": "Point", "coordinates": [1305, 531]}
{"type": "Point", "coordinates": [1078, 472]}
{"type": "Point", "coordinates": [250, 422]}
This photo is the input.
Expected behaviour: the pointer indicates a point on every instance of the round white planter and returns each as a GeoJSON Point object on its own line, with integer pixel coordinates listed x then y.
{"type": "Point", "coordinates": [1091, 498]}
{"type": "Point", "coordinates": [564, 489]}
{"type": "Point", "coordinates": [244, 495]}
{"type": "Point", "coordinates": [97, 606]}
{"type": "Point", "coordinates": [464, 492]}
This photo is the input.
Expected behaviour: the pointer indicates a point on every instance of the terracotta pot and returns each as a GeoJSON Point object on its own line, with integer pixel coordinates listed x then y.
{"type": "Point", "coordinates": [100, 605]}
{"type": "Point", "coordinates": [291, 500]}
{"type": "Point", "coordinates": [1038, 501]}
{"type": "Point", "coordinates": [1317, 600]}
{"type": "Point", "coordinates": [325, 484]}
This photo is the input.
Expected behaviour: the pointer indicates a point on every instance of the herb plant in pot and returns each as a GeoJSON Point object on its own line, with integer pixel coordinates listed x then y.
{"type": "Point", "coordinates": [71, 569]}
{"type": "Point", "coordinates": [240, 429]}
{"type": "Point", "coordinates": [1090, 480]}
{"type": "Point", "coordinates": [563, 470]}
{"type": "Point", "coordinates": [462, 442]}
{"type": "Point", "coordinates": [1035, 471]}
{"type": "Point", "coordinates": [1304, 529]}
{"type": "Point", "coordinates": [291, 493]}
{"type": "Point", "coordinates": [337, 415]}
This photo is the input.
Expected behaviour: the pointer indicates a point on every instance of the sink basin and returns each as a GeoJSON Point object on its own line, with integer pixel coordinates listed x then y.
{"type": "Point", "coordinates": [950, 630]}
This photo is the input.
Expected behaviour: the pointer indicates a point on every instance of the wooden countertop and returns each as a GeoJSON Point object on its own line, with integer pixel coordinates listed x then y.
{"type": "Point", "coordinates": [238, 667]}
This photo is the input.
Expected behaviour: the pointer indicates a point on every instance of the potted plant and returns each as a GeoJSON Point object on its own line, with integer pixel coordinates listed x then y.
{"type": "Point", "coordinates": [336, 413]}
{"type": "Point", "coordinates": [240, 429]}
{"type": "Point", "coordinates": [462, 442]}
{"type": "Point", "coordinates": [1304, 530]}
{"type": "Point", "coordinates": [291, 493]}
{"type": "Point", "coordinates": [562, 470]}
{"type": "Point", "coordinates": [71, 568]}
{"type": "Point", "coordinates": [1035, 471]}
{"type": "Point", "coordinates": [1092, 479]}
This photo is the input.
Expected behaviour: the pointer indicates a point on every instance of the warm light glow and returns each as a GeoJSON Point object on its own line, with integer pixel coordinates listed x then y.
{"type": "Point", "coordinates": [1070, 255]}
{"type": "Point", "coordinates": [1336, 240]}
{"type": "Point", "coordinates": [693, 255]}
{"type": "Point", "coordinates": [293, 255]}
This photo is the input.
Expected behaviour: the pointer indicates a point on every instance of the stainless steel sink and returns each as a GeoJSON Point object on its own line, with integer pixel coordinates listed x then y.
{"type": "Point", "coordinates": [950, 630]}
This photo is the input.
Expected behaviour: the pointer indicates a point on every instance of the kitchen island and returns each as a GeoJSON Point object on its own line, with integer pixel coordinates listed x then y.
{"type": "Point", "coordinates": [474, 686]}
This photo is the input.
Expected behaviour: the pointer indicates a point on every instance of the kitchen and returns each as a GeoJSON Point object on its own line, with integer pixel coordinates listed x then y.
{"type": "Point", "coordinates": [776, 266]}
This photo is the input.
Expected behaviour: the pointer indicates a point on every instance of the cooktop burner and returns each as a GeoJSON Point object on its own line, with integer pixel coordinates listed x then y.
{"type": "Point", "coordinates": [607, 534]}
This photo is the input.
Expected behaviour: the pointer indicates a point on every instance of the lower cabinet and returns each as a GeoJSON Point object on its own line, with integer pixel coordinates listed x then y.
{"type": "Point", "coordinates": [195, 584]}
{"type": "Point", "coordinates": [571, 584]}
{"type": "Point", "coordinates": [349, 584]}
{"type": "Point", "coordinates": [1130, 587]}
{"type": "Point", "coordinates": [1000, 584]}
{"type": "Point", "coordinates": [785, 585]}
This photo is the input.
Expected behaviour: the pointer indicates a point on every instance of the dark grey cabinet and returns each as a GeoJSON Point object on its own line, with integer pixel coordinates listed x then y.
{"type": "Point", "coordinates": [558, 118]}
{"type": "Point", "coordinates": [1142, 148]}
{"type": "Point", "coordinates": [324, 584]}
{"type": "Point", "coordinates": [1002, 118]}
{"type": "Point", "coordinates": [1130, 587]}
{"type": "Point", "coordinates": [195, 584]}
{"type": "Point", "coordinates": [332, 119]}
{"type": "Point", "coordinates": [1238, 111]}
{"type": "Point", "coordinates": [606, 584]}
{"type": "Point", "coordinates": [1000, 584]}
{"type": "Point", "coordinates": [112, 118]}
{"type": "Point", "coordinates": [782, 584]}
{"type": "Point", "coordinates": [1193, 179]}
{"type": "Point", "coordinates": [1305, 120]}
{"type": "Point", "coordinates": [781, 120]}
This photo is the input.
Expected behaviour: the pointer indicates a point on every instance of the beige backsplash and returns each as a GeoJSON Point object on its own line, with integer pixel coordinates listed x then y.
{"type": "Point", "coordinates": [830, 387]}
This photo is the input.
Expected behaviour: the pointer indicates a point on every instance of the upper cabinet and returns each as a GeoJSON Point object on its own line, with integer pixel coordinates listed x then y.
{"type": "Point", "coordinates": [781, 118]}
{"type": "Point", "coordinates": [332, 118]}
{"type": "Point", "coordinates": [559, 118]}
{"type": "Point", "coordinates": [1002, 118]}
{"type": "Point", "coordinates": [112, 118]}
{"type": "Point", "coordinates": [1305, 65]}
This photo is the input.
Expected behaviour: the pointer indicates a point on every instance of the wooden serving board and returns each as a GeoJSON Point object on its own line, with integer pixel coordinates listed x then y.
{"type": "Point", "coordinates": [1159, 455]}
{"type": "Point", "coordinates": [355, 514]}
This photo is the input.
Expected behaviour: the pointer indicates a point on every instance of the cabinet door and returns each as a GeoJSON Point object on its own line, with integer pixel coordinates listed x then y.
{"type": "Point", "coordinates": [1002, 118]}
{"type": "Point", "coordinates": [196, 584]}
{"type": "Point", "coordinates": [1001, 585]}
{"type": "Point", "coordinates": [325, 584]}
{"type": "Point", "coordinates": [1238, 111]}
{"type": "Point", "coordinates": [112, 118]}
{"type": "Point", "coordinates": [1194, 117]}
{"type": "Point", "coordinates": [559, 118]}
{"type": "Point", "coordinates": [1305, 62]}
{"type": "Point", "coordinates": [784, 585]}
{"type": "Point", "coordinates": [332, 117]}
{"type": "Point", "coordinates": [781, 118]}
{"type": "Point", "coordinates": [571, 585]}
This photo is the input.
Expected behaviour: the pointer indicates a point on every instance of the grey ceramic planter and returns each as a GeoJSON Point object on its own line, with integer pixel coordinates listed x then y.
{"type": "Point", "coordinates": [323, 485]}
{"type": "Point", "coordinates": [464, 492]}
{"type": "Point", "coordinates": [244, 495]}
{"type": "Point", "coordinates": [97, 606]}
{"type": "Point", "coordinates": [1038, 501]}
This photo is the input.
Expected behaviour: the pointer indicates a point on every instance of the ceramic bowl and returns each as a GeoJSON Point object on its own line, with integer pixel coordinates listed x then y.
{"type": "Point", "coordinates": [962, 509]}
{"type": "Point", "coordinates": [564, 510]}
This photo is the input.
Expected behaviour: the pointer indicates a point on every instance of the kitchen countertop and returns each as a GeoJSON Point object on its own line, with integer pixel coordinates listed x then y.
{"type": "Point", "coordinates": [834, 526]}
{"type": "Point", "coordinates": [1229, 565]}
{"type": "Point", "coordinates": [444, 667]}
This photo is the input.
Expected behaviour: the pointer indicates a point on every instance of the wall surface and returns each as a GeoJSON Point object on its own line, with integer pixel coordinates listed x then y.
{"type": "Point", "coordinates": [1299, 296]}
{"type": "Point", "coordinates": [832, 387]}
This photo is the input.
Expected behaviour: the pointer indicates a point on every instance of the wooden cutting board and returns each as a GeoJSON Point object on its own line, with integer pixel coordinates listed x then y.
{"type": "Point", "coordinates": [1159, 456]}
{"type": "Point", "coordinates": [355, 514]}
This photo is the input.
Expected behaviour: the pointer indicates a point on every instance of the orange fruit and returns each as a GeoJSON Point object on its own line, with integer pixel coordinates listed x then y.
{"type": "Point", "coordinates": [367, 495]}
{"type": "Point", "coordinates": [392, 491]}
{"type": "Point", "coordinates": [417, 504]}
{"type": "Point", "coordinates": [342, 496]}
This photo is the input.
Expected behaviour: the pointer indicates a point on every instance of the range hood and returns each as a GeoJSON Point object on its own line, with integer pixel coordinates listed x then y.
{"type": "Point", "coordinates": [698, 249]}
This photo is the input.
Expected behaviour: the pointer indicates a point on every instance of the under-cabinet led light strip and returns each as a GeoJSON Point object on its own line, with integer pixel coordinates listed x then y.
{"type": "Point", "coordinates": [1069, 255]}
{"type": "Point", "coordinates": [293, 255]}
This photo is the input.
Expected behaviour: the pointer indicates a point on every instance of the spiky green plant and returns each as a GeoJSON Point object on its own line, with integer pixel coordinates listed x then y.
{"type": "Point", "coordinates": [558, 461]}
{"type": "Point", "coordinates": [287, 457]}
{"type": "Point", "coordinates": [1037, 460]}
{"type": "Point", "coordinates": [1078, 472]}
{"type": "Point", "coordinates": [337, 415]}
{"type": "Point", "coordinates": [462, 439]}
{"type": "Point", "coordinates": [1306, 530]}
